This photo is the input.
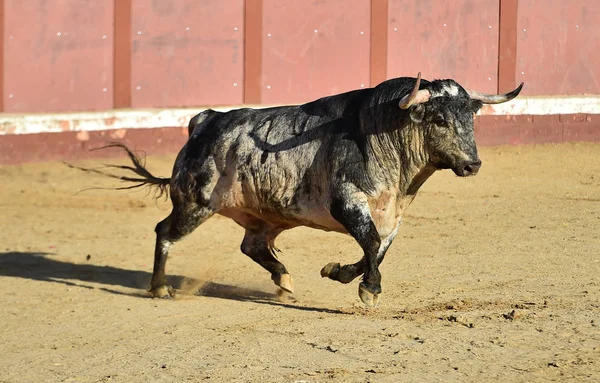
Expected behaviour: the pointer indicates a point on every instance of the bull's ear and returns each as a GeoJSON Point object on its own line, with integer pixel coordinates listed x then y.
{"type": "Point", "coordinates": [417, 113]}
{"type": "Point", "coordinates": [476, 105]}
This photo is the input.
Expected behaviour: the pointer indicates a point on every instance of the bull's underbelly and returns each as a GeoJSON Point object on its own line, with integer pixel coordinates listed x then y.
{"type": "Point", "coordinates": [250, 211]}
{"type": "Point", "coordinates": [276, 196]}
{"type": "Point", "coordinates": [252, 218]}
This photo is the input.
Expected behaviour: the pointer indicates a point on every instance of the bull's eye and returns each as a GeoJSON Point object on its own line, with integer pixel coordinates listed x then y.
{"type": "Point", "coordinates": [439, 120]}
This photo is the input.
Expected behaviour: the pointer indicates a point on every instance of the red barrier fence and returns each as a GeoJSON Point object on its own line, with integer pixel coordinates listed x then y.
{"type": "Point", "coordinates": [75, 55]}
{"type": "Point", "coordinates": [75, 74]}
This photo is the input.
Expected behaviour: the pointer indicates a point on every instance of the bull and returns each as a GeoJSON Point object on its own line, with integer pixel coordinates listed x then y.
{"type": "Point", "coordinates": [350, 163]}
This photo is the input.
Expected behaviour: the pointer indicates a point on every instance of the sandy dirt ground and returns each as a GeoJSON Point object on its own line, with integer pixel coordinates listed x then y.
{"type": "Point", "coordinates": [492, 277]}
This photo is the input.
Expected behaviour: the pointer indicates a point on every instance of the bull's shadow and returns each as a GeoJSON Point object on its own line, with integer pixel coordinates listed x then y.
{"type": "Point", "coordinates": [40, 266]}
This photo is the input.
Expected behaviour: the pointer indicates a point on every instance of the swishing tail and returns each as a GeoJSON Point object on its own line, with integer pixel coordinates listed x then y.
{"type": "Point", "coordinates": [144, 177]}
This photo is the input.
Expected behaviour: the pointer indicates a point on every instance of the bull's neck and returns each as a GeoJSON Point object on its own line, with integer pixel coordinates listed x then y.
{"type": "Point", "coordinates": [398, 158]}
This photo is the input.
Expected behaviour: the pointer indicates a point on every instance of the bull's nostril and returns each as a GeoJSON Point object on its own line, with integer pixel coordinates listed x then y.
{"type": "Point", "coordinates": [472, 167]}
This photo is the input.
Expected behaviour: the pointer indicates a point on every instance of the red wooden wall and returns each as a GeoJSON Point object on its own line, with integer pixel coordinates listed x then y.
{"type": "Point", "coordinates": [187, 52]}
{"type": "Point", "coordinates": [78, 55]}
{"type": "Point", "coordinates": [318, 48]}
{"type": "Point", "coordinates": [58, 55]}
{"type": "Point", "coordinates": [456, 39]}
{"type": "Point", "coordinates": [557, 45]}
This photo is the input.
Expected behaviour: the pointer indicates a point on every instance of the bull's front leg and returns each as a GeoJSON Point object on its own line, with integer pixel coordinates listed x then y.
{"type": "Point", "coordinates": [348, 273]}
{"type": "Point", "coordinates": [352, 211]}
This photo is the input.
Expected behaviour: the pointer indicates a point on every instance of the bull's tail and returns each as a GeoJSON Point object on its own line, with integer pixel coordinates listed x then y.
{"type": "Point", "coordinates": [143, 177]}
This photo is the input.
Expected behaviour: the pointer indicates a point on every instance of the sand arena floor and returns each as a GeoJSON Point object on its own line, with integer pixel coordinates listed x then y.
{"type": "Point", "coordinates": [492, 277]}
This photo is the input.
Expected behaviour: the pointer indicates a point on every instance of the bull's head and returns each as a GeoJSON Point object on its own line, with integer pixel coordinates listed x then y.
{"type": "Point", "coordinates": [446, 111]}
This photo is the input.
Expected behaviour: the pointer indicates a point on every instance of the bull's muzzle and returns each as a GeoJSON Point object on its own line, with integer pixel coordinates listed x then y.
{"type": "Point", "coordinates": [468, 168]}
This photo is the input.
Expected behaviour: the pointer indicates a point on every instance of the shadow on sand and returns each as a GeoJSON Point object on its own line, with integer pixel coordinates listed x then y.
{"type": "Point", "coordinates": [40, 266]}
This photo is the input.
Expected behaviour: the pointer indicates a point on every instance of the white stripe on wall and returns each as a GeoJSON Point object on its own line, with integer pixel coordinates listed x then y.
{"type": "Point", "coordinates": [139, 118]}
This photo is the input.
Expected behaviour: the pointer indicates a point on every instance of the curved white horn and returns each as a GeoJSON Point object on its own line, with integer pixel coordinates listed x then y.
{"type": "Point", "coordinates": [416, 96]}
{"type": "Point", "coordinates": [494, 98]}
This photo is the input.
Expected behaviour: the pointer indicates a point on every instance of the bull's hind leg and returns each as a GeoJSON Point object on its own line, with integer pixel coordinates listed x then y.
{"type": "Point", "coordinates": [181, 222]}
{"type": "Point", "coordinates": [259, 246]}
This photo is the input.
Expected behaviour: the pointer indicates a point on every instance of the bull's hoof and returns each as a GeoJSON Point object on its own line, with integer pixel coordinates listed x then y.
{"type": "Point", "coordinates": [285, 282]}
{"type": "Point", "coordinates": [285, 296]}
{"type": "Point", "coordinates": [330, 270]}
{"type": "Point", "coordinates": [162, 292]}
{"type": "Point", "coordinates": [368, 298]}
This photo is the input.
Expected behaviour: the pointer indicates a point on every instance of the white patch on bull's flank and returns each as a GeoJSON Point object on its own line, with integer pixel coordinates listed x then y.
{"type": "Point", "coordinates": [452, 90]}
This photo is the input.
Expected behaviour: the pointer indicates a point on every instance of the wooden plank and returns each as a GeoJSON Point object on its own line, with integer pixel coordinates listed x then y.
{"type": "Point", "coordinates": [507, 46]}
{"type": "Point", "coordinates": [379, 41]}
{"type": "Point", "coordinates": [253, 14]}
{"type": "Point", "coordinates": [122, 54]}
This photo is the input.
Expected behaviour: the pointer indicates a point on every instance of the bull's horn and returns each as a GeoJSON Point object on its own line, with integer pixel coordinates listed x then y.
{"type": "Point", "coordinates": [494, 98]}
{"type": "Point", "coordinates": [416, 96]}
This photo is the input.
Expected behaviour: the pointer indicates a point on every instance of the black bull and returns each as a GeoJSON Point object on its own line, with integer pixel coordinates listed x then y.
{"type": "Point", "coordinates": [350, 163]}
